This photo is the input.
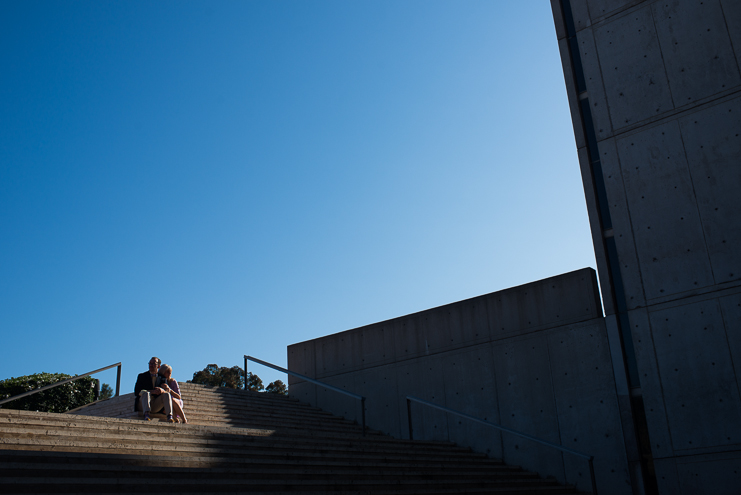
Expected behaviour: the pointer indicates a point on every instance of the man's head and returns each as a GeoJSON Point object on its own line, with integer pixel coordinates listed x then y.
{"type": "Point", "coordinates": [154, 365]}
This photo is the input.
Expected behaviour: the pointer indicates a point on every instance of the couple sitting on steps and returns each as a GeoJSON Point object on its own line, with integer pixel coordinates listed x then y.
{"type": "Point", "coordinates": [156, 391]}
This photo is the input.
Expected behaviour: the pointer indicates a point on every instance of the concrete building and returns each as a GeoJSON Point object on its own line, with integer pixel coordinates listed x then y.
{"type": "Point", "coordinates": [655, 94]}
{"type": "Point", "coordinates": [652, 388]}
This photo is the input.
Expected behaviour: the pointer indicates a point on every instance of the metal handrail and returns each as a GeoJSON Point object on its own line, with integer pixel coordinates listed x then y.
{"type": "Point", "coordinates": [589, 458]}
{"type": "Point", "coordinates": [77, 377]}
{"type": "Point", "coordinates": [304, 377]}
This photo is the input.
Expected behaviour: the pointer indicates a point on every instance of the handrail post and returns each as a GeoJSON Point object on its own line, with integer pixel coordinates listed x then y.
{"type": "Point", "coordinates": [409, 418]}
{"type": "Point", "coordinates": [246, 386]}
{"type": "Point", "coordinates": [591, 474]}
{"type": "Point", "coordinates": [362, 407]}
{"type": "Point", "coordinates": [118, 380]}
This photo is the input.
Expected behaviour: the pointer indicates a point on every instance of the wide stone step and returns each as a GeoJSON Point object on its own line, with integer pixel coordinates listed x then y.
{"type": "Point", "coordinates": [258, 450]}
{"type": "Point", "coordinates": [248, 407]}
{"type": "Point", "coordinates": [126, 486]}
{"type": "Point", "coordinates": [235, 463]}
{"type": "Point", "coordinates": [65, 470]}
{"type": "Point", "coordinates": [36, 420]}
{"type": "Point", "coordinates": [195, 444]}
{"type": "Point", "coordinates": [42, 433]}
{"type": "Point", "coordinates": [303, 483]}
{"type": "Point", "coordinates": [248, 415]}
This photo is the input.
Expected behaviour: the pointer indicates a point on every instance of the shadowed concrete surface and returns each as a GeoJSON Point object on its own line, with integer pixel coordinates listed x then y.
{"type": "Point", "coordinates": [533, 358]}
{"type": "Point", "coordinates": [654, 91]}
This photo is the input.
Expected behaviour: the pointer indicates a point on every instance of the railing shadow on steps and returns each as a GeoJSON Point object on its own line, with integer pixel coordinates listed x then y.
{"type": "Point", "coordinates": [76, 377]}
{"type": "Point", "coordinates": [589, 458]}
{"type": "Point", "coordinates": [303, 377]}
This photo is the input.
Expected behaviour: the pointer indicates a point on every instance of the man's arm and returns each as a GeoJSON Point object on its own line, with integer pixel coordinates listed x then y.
{"type": "Point", "coordinates": [144, 382]}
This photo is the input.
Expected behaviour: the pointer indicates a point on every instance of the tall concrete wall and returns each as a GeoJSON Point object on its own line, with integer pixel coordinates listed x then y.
{"type": "Point", "coordinates": [655, 95]}
{"type": "Point", "coordinates": [534, 358]}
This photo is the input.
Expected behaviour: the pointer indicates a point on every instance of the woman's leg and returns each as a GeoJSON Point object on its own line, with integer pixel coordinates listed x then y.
{"type": "Point", "coordinates": [177, 410]}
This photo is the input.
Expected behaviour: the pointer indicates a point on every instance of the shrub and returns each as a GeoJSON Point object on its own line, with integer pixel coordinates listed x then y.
{"type": "Point", "coordinates": [57, 400]}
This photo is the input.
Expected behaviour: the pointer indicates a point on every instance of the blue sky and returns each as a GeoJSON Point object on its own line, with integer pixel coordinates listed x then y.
{"type": "Point", "coordinates": [204, 180]}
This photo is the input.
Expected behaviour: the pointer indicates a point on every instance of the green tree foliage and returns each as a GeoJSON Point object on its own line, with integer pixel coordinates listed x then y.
{"type": "Point", "coordinates": [57, 400]}
{"type": "Point", "coordinates": [277, 387]}
{"type": "Point", "coordinates": [233, 377]}
{"type": "Point", "coordinates": [106, 392]}
{"type": "Point", "coordinates": [254, 382]}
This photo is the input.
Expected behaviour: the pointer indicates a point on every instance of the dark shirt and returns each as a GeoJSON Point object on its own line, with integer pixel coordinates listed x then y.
{"type": "Point", "coordinates": [144, 382]}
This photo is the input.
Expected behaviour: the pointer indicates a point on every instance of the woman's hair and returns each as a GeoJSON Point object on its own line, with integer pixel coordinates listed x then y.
{"type": "Point", "coordinates": [163, 368]}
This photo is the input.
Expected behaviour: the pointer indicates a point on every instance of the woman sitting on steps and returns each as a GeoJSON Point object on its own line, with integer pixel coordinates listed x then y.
{"type": "Point", "coordinates": [173, 389]}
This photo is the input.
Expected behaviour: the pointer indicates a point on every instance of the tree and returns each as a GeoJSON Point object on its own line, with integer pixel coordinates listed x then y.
{"type": "Point", "coordinates": [233, 377]}
{"type": "Point", "coordinates": [106, 392]}
{"type": "Point", "coordinates": [57, 400]}
{"type": "Point", "coordinates": [277, 387]}
{"type": "Point", "coordinates": [254, 382]}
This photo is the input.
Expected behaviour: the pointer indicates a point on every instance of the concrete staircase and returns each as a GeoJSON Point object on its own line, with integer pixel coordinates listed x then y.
{"type": "Point", "coordinates": [236, 442]}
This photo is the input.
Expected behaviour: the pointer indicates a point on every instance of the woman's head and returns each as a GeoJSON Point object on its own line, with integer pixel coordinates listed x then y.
{"type": "Point", "coordinates": [165, 370]}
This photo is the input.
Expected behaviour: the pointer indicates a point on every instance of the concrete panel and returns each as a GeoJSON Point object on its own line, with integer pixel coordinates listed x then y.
{"type": "Point", "coordinates": [527, 404]}
{"type": "Point", "coordinates": [580, 14]}
{"type": "Point", "coordinates": [653, 395]}
{"type": "Point", "coordinates": [667, 478]}
{"type": "Point", "coordinates": [604, 8]}
{"type": "Point", "coordinates": [621, 226]}
{"type": "Point", "coordinates": [378, 385]}
{"type": "Point", "coordinates": [666, 224]}
{"type": "Point", "coordinates": [697, 376]}
{"type": "Point", "coordinates": [718, 474]}
{"type": "Point", "coordinates": [303, 391]}
{"type": "Point", "coordinates": [632, 68]}
{"type": "Point", "coordinates": [712, 140]}
{"type": "Point", "coordinates": [423, 378]}
{"type": "Point", "coordinates": [697, 51]}
{"type": "Point", "coordinates": [470, 387]}
{"type": "Point", "coordinates": [409, 337]}
{"type": "Point", "coordinates": [436, 328]}
{"type": "Point", "coordinates": [377, 343]}
{"type": "Point", "coordinates": [301, 359]}
{"type": "Point", "coordinates": [335, 354]}
{"type": "Point", "coordinates": [508, 314]}
{"type": "Point", "coordinates": [595, 90]}
{"type": "Point", "coordinates": [584, 388]}
{"type": "Point", "coordinates": [474, 321]}
{"type": "Point", "coordinates": [731, 308]}
{"type": "Point", "coordinates": [732, 14]}
{"type": "Point", "coordinates": [337, 403]}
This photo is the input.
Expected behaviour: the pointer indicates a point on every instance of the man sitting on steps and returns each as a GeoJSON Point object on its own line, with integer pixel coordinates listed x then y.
{"type": "Point", "coordinates": [150, 398]}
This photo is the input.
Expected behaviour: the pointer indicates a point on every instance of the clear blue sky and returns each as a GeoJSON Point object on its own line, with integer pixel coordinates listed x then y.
{"type": "Point", "coordinates": [204, 180]}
